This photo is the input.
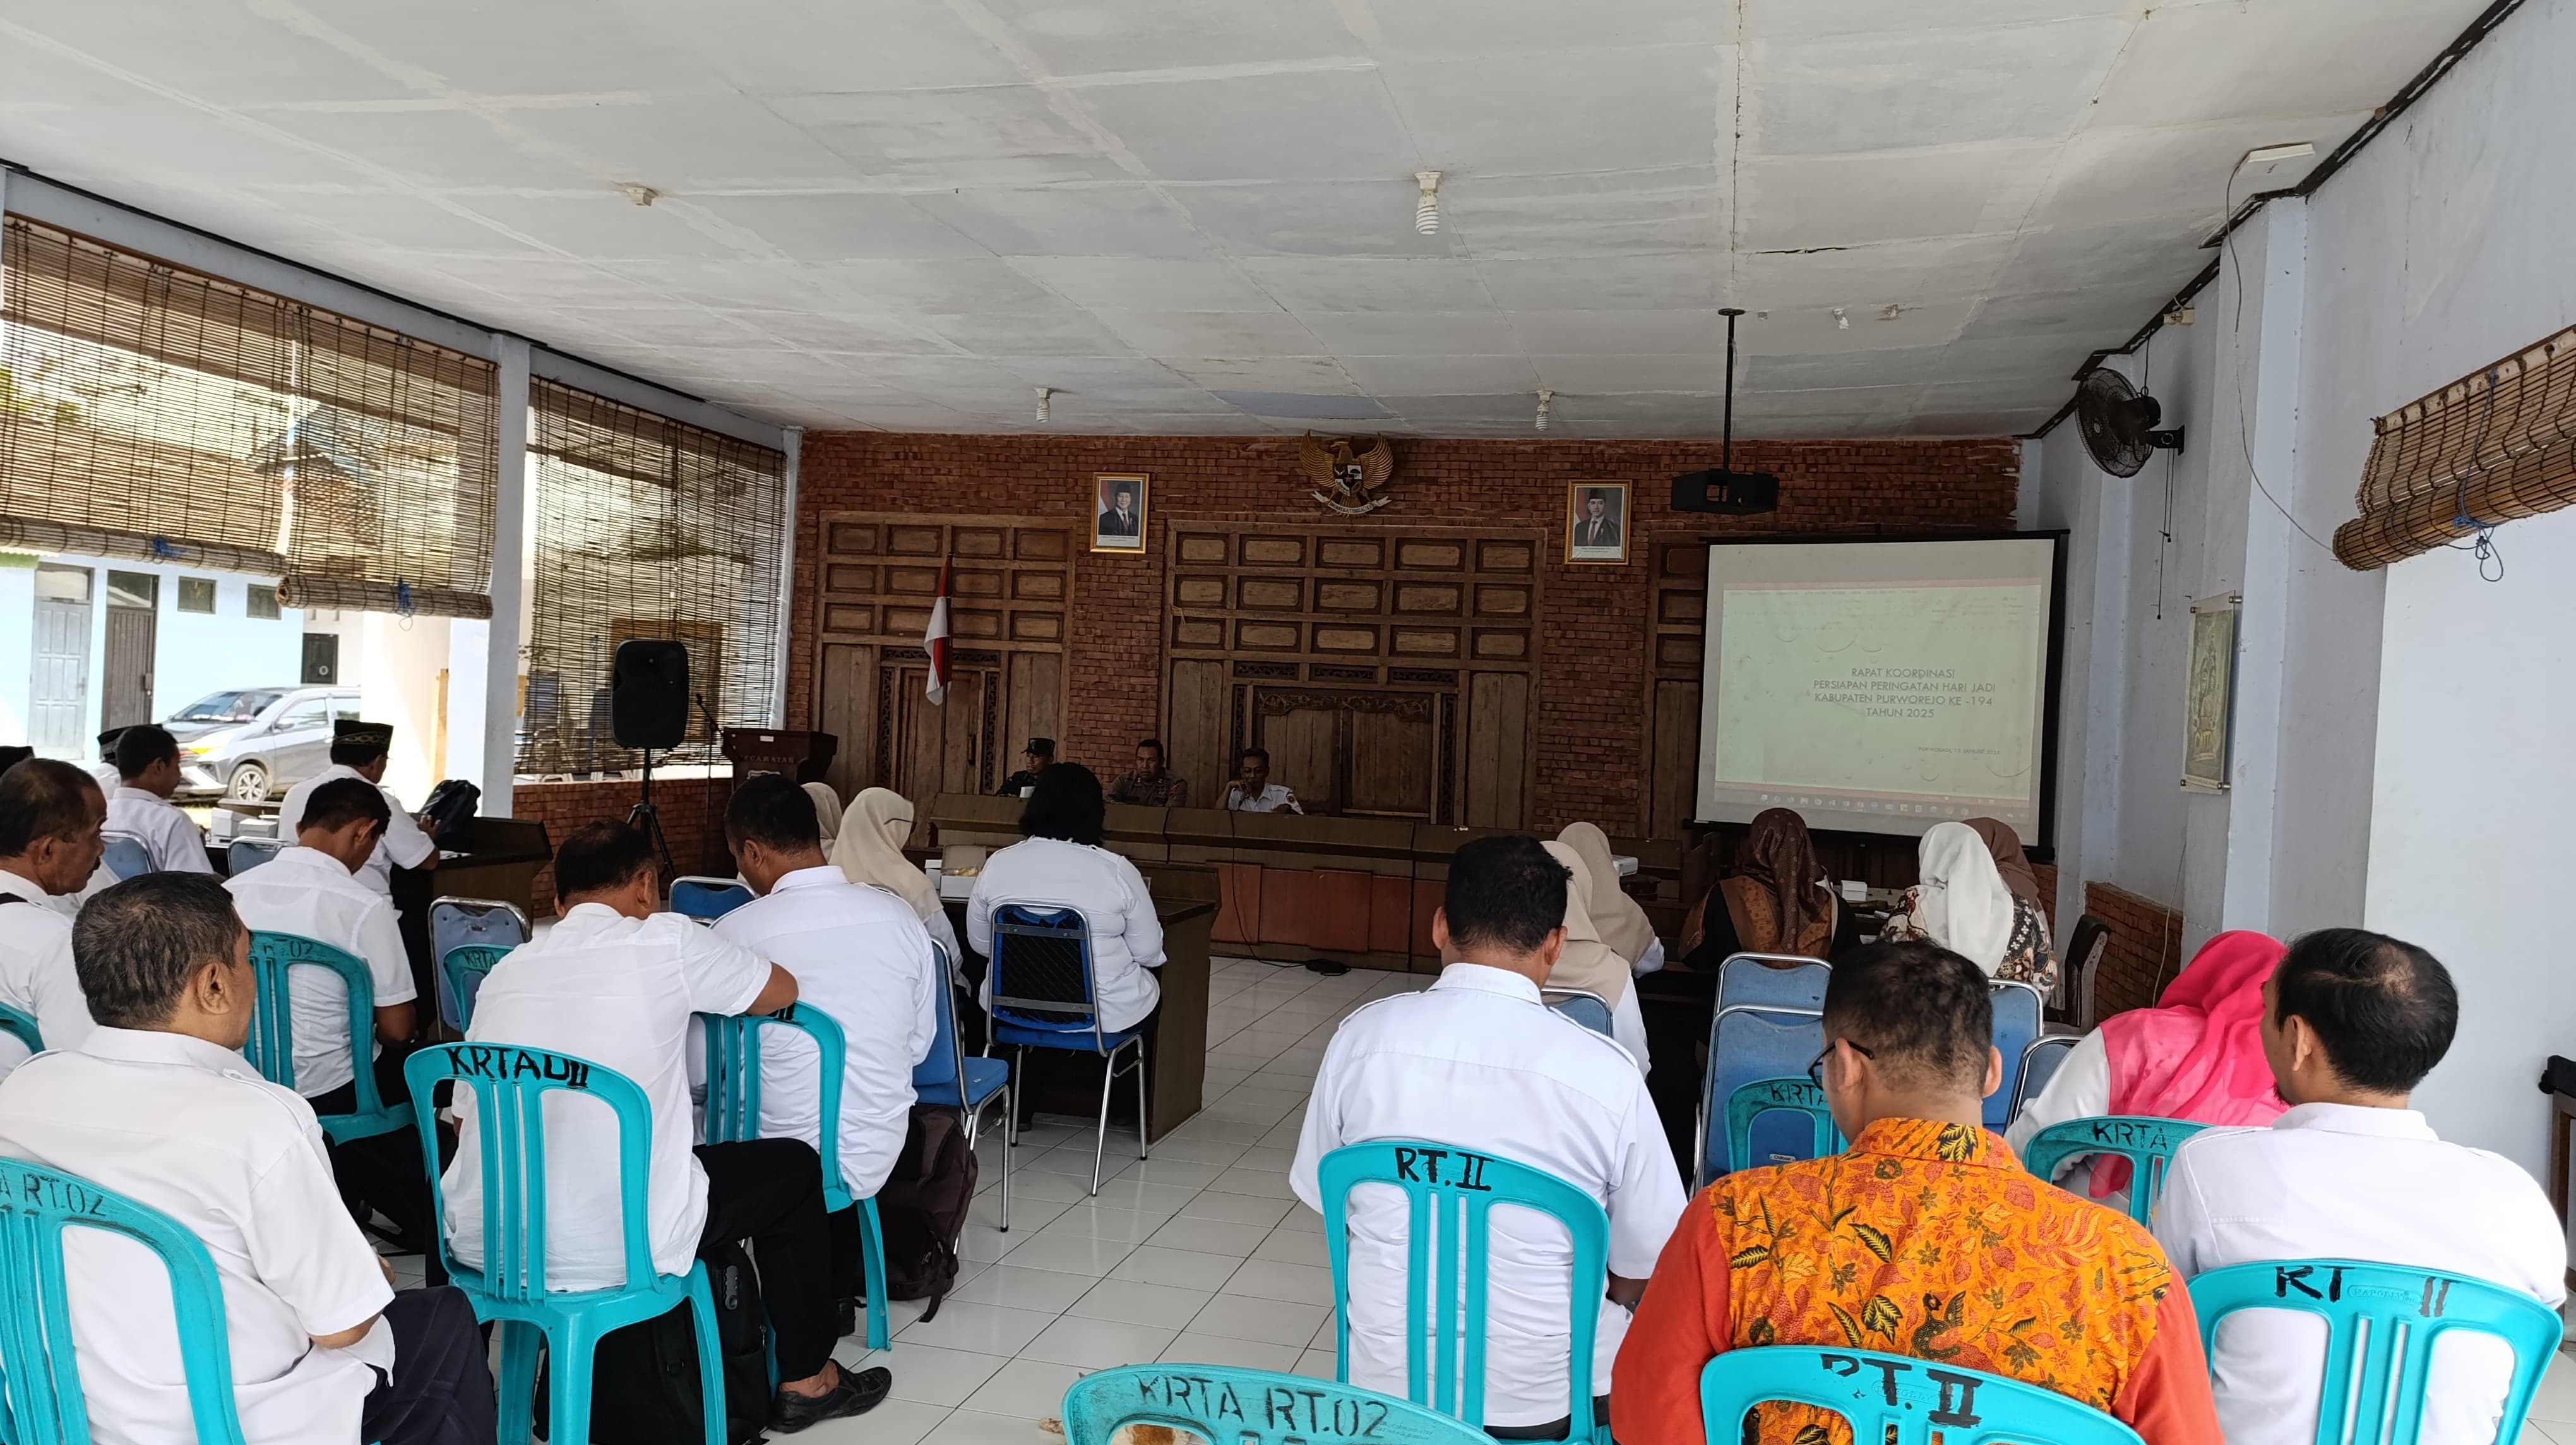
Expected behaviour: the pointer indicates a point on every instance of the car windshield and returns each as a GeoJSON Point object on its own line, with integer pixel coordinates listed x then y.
{"type": "Point", "coordinates": [226, 707]}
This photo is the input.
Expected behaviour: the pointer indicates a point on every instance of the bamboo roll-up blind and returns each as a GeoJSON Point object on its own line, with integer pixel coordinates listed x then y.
{"type": "Point", "coordinates": [184, 416]}
{"type": "Point", "coordinates": [2496, 445]}
{"type": "Point", "coordinates": [645, 527]}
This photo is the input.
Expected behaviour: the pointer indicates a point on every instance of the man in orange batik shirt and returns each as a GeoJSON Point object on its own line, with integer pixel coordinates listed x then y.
{"type": "Point", "coordinates": [1925, 1238]}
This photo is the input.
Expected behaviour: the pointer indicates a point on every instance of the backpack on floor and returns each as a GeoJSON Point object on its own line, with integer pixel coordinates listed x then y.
{"type": "Point", "coordinates": [922, 1206]}
{"type": "Point", "coordinates": [644, 1380]}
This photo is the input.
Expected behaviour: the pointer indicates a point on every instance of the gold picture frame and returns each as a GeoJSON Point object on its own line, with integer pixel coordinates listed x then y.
{"type": "Point", "coordinates": [2209, 695]}
{"type": "Point", "coordinates": [1597, 540]}
{"type": "Point", "coordinates": [1115, 532]}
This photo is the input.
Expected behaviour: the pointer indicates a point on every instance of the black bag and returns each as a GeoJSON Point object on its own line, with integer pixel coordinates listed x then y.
{"type": "Point", "coordinates": [450, 807]}
{"type": "Point", "coordinates": [922, 1206]}
{"type": "Point", "coordinates": [644, 1381]}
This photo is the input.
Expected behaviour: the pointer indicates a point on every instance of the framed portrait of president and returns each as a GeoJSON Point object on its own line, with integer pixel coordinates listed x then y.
{"type": "Point", "coordinates": [1596, 523]}
{"type": "Point", "coordinates": [1118, 513]}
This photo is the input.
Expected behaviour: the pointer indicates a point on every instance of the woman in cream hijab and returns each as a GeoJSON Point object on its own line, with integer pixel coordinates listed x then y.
{"type": "Point", "coordinates": [1591, 964]}
{"type": "Point", "coordinates": [870, 851]}
{"type": "Point", "coordinates": [827, 811]}
{"type": "Point", "coordinates": [1623, 924]}
{"type": "Point", "coordinates": [1963, 905]}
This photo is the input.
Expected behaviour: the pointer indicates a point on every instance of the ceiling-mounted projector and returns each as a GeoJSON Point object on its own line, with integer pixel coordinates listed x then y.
{"type": "Point", "coordinates": [1724, 489]}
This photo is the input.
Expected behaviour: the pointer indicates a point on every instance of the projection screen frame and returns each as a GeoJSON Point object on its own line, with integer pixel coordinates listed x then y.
{"type": "Point", "coordinates": [2043, 846]}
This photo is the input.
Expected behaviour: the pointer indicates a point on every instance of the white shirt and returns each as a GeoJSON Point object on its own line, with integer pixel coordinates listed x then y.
{"type": "Point", "coordinates": [2333, 1181]}
{"type": "Point", "coordinates": [618, 992]}
{"type": "Point", "coordinates": [861, 956]}
{"type": "Point", "coordinates": [186, 1127]}
{"type": "Point", "coordinates": [36, 973]}
{"type": "Point", "coordinates": [1126, 937]}
{"type": "Point", "coordinates": [175, 843]}
{"type": "Point", "coordinates": [403, 843]}
{"type": "Point", "coordinates": [308, 893]}
{"type": "Point", "coordinates": [1477, 1061]}
{"type": "Point", "coordinates": [101, 878]}
{"type": "Point", "coordinates": [1271, 799]}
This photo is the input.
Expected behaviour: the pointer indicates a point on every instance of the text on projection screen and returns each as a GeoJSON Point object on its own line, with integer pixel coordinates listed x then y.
{"type": "Point", "coordinates": [1877, 687]}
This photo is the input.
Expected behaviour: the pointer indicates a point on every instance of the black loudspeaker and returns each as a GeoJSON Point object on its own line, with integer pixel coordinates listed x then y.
{"type": "Point", "coordinates": [648, 690]}
{"type": "Point", "coordinates": [1731, 493]}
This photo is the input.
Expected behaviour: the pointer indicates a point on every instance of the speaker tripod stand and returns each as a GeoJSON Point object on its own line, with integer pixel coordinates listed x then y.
{"type": "Point", "coordinates": [646, 819]}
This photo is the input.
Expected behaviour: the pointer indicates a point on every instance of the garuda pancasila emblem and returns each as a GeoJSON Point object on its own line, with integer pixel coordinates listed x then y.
{"type": "Point", "coordinates": [1348, 481]}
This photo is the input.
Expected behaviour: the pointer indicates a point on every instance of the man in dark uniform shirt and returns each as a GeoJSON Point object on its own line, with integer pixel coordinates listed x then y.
{"type": "Point", "coordinates": [1147, 785]}
{"type": "Point", "coordinates": [1040, 752]}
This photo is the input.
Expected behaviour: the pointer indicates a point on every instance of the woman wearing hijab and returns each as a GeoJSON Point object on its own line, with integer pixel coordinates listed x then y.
{"type": "Point", "coordinates": [870, 851]}
{"type": "Point", "coordinates": [1776, 901]}
{"type": "Point", "coordinates": [1624, 925]}
{"type": "Point", "coordinates": [827, 811]}
{"type": "Point", "coordinates": [1589, 963]}
{"type": "Point", "coordinates": [2011, 863]}
{"type": "Point", "coordinates": [1963, 905]}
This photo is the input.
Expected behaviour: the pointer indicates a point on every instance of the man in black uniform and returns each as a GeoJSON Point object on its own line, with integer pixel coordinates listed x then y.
{"type": "Point", "coordinates": [1041, 751]}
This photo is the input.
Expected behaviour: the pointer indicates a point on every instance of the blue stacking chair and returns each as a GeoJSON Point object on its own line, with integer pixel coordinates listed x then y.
{"type": "Point", "coordinates": [950, 1079]}
{"type": "Point", "coordinates": [271, 1048]}
{"type": "Point", "coordinates": [508, 1086]}
{"type": "Point", "coordinates": [2039, 1064]}
{"type": "Point", "coordinates": [461, 971]}
{"type": "Point", "coordinates": [733, 1116]}
{"type": "Point", "coordinates": [1896, 1399]}
{"type": "Point", "coordinates": [1043, 998]}
{"type": "Point", "coordinates": [1248, 1407]}
{"type": "Point", "coordinates": [707, 899]}
{"type": "Point", "coordinates": [244, 854]}
{"type": "Point", "coordinates": [2019, 1022]}
{"type": "Point", "coordinates": [126, 857]}
{"type": "Point", "coordinates": [1451, 1194]}
{"type": "Point", "coordinates": [45, 1404]}
{"type": "Point", "coordinates": [1790, 981]}
{"type": "Point", "coordinates": [459, 922]}
{"type": "Point", "coordinates": [1587, 1009]}
{"type": "Point", "coordinates": [1747, 1045]}
{"type": "Point", "coordinates": [21, 1025]}
{"type": "Point", "coordinates": [2381, 1323]}
{"type": "Point", "coordinates": [1798, 1096]}
{"type": "Point", "coordinates": [2148, 1145]}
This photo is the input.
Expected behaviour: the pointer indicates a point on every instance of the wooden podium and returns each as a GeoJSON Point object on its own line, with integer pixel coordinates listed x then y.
{"type": "Point", "coordinates": [802, 756]}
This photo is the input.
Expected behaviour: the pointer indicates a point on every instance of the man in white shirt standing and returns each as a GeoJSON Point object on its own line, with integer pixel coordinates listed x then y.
{"type": "Point", "coordinates": [614, 982]}
{"type": "Point", "coordinates": [360, 750]}
{"type": "Point", "coordinates": [1477, 1061]}
{"type": "Point", "coordinates": [50, 815]}
{"type": "Point", "coordinates": [2352, 1022]}
{"type": "Point", "coordinates": [147, 769]}
{"type": "Point", "coordinates": [311, 890]}
{"type": "Point", "coordinates": [157, 1105]}
{"type": "Point", "coordinates": [862, 957]}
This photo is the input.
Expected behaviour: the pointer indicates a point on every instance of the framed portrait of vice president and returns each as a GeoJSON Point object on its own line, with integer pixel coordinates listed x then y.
{"type": "Point", "coordinates": [1118, 513]}
{"type": "Point", "coordinates": [1596, 523]}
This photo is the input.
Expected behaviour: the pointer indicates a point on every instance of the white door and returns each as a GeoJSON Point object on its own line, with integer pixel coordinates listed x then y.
{"type": "Point", "coordinates": [60, 696]}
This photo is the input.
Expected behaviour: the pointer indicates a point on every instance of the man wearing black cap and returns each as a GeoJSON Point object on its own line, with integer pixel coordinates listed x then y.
{"type": "Point", "coordinates": [1041, 751]}
{"type": "Point", "coordinates": [359, 750]}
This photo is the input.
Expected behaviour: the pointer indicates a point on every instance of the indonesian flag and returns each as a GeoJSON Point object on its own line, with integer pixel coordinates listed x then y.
{"type": "Point", "coordinates": [934, 640]}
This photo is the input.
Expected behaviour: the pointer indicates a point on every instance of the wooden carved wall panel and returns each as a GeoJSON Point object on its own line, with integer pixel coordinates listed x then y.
{"type": "Point", "coordinates": [1676, 623]}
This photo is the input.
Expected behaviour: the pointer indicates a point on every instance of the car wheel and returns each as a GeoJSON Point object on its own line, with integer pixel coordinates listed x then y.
{"type": "Point", "coordinates": [249, 785]}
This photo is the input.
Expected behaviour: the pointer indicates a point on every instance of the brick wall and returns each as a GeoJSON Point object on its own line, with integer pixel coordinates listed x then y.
{"type": "Point", "coordinates": [688, 806]}
{"type": "Point", "coordinates": [1591, 694]}
{"type": "Point", "coordinates": [2145, 951]}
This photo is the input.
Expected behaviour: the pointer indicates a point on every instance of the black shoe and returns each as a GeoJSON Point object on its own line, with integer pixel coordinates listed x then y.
{"type": "Point", "coordinates": [857, 1394]}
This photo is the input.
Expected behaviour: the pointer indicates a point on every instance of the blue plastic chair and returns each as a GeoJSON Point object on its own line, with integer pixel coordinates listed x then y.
{"type": "Point", "coordinates": [1790, 981]}
{"type": "Point", "coordinates": [271, 1048]}
{"type": "Point", "coordinates": [1587, 1009]}
{"type": "Point", "coordinates": [1797, 1095]}
{"type": "Point", "coordinates": [2039, 1064]}
{"type": "Point", "coordinates": [46, 1406]}
{"type": "Point", "coordinates": [508, 1086]}
{"type": "Point", "coordinates": [1747, 1045]}
{"type": "Point", "coordinates": [456, 922]}
{"type": "Point", "coordinates": [2019, 1021]}
{"type": "Point", "coordinates": [1043, 998]}
{"type": "Point", "coordinates": [244, 854]}
{"type": "Point", "coordinates": [461, 971]}
{"type": "Point", "coordinates": [936, 1079]}
{"type": "Point", "coordinates": [1896, 1399]}
{"type": "Point", "coordinates": [733, 1116]}
{"type": "Point", "coordinates": [2148, 1145]}
{"type": "Point", "coordinates": [126, 857]}
{"type": "Point", "coordinates": [1248, 1407]}
{"type": "Point", "coordinates": [707, 899]}
{"type": "Point", "coordinates": [1451, 1193]}
{"type": "Point", "coordinates": [21, 1025]}
{"type": "Point", "coordinates": [2400, 1312]}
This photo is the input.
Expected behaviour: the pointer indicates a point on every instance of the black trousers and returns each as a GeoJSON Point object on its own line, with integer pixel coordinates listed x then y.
{"type": "Point", "coordinates": [770, 1191]}
{"type": "Point", "coordinates": [440, 1392]}
{"type": "Point", "coordinates": [849, 1256]}
{"type": "Point", "coordinates": [384, 1172]}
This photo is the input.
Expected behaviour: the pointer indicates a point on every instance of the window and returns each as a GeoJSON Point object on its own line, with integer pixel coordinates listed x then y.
{"type": "Point", "coordinates": [196, 594]}
{"type": "Point", "coordinates": [55, 583]}
{"type": "Point", "coordinates": [313, 712]}
{"type": "Point", "coordinates": [344, 704]}
{"type": "Point", "coordinates": [133, 589]}
{"type": "Point", "coordinates": [226, 707]}
{"type": "Point", "coordinates": [263, 600]}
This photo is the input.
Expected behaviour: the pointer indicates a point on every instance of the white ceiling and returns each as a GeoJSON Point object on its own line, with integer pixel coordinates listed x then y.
{"type": "Point", "coordinates": [909, 214]}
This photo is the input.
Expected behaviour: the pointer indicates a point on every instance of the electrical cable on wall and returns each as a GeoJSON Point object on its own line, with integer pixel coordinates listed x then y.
{"type": "Point", "coordinates": [2235, 333]}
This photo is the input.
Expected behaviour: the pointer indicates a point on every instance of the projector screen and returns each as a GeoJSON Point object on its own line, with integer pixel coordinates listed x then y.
{"type": "Point", "coordinates": [1879, 687]}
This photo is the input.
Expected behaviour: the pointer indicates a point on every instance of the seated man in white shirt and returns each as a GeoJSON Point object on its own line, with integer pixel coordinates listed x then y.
{"type": "Point", "coordinates": [862, 957]}
{"type": "Point", "coordinates": [157, 1105]}
{"type": "Point", "coordinates": [1478, 1062]}
{"type": "Point", "coordinates": [360, 750]}
{"type": "Point", "coordinates": [1253, 792]}
{"type": "Point", "coordinates": [2352, 1021]}
{"type": "Point", "coordinates": [311, 890]}
{"type": "Point", "coordinates": [147, 769]}
{"type": "Point", "coordinates": [614, 982]}
{"type": "Point", "coordinates": [50, 813]}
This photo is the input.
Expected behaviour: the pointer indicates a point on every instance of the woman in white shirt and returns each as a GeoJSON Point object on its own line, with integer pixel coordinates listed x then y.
{"type": "Point", "coordinates": [1062, 865]}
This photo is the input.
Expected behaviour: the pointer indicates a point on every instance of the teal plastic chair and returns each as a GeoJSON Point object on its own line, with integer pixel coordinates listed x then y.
{"type": "Point", "coordinates": [508, 1086]}
{"type": "Point", "coordinates": [1248, 1407]}
{"type": "Point", "coordinates": [733, 1116]}
{"type": "Point", "coordinates": [463, 967]}
{"type": "Point", "coordinates": [46, 1406]}
{"type": "Point", "coordinates": [1451, 1193]}
{"type": "Point", "coordinates": [2148, 1145]}
{"type": "Point", "coordinates": [1896, 1399]}
{"type": "Point", "coordinates": [21, 1025]}
{"type": "Point", "coordinates": [1796, 1095]}
{"type": "Point", "coordinates": [2381, 1322]}
{"type": "Point", "coordinates": [272, 1029]}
